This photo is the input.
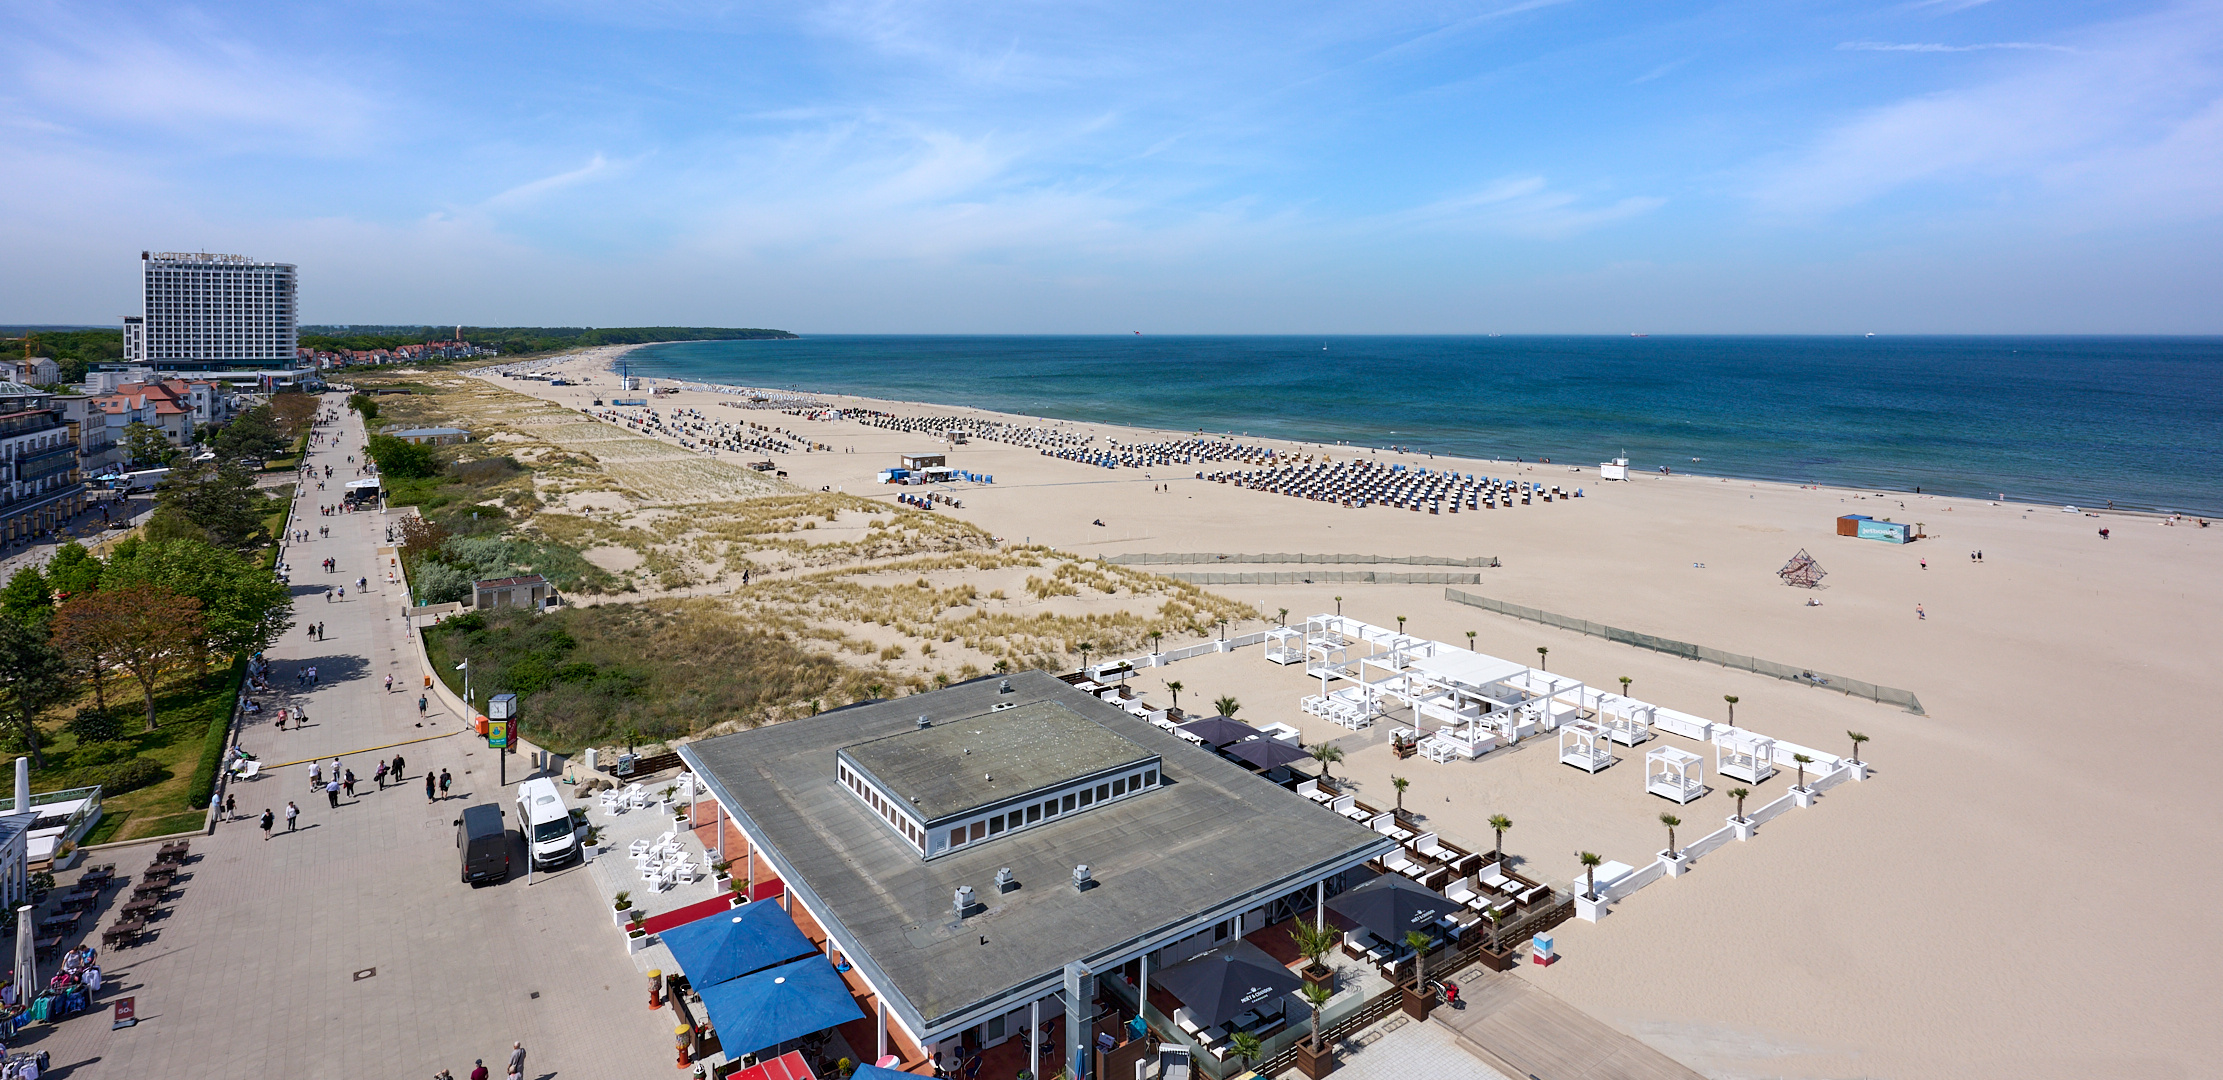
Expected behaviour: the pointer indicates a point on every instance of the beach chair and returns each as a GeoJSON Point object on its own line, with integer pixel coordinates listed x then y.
{"type": "Point", "coordinates": [1396, 861]}
{"type": "Point", "coordinates": [636, 797]}
{"type": "Point", "coordinates": [1460, 891]}
{"type": "Point", "coordinates": [613, 801]}
{"type": "Point", "coordinates": [1310, 789]}
{"type": "Point", "coordinates": [638, 848]}
{"type": "Point", "coordinates": [1493, 877]}
{"type": "Point", "coordinates": [1428, 846]}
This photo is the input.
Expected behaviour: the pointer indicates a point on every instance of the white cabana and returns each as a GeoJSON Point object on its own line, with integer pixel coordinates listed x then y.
{"type": "Point", "coordinates": [1285, 645]}
{"type": "Point", "coordinates": [1668, 773]}
{"type": "Point", "coordinates": [1626, 720]}
{"type": "Point", "coordinates": [1744, 756]}
{"type": "Point", "coordinates": [1578, 746]}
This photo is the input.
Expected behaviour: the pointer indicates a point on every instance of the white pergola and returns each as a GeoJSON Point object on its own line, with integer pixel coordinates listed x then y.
{"type": "Point", "coordinates": [1627, 720]}
{"type": "Point", "coordinates": [1285, 645]}
{"type": "Point", "coordinates": [1578, 746]}
{"type": "Point", "coordinates": [1667, 774]}
{"type": "Point", "coordinates": [1744, 756]}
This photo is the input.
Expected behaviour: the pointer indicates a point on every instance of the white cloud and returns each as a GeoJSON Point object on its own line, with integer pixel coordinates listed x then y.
{"type": "Point", "coordinates": [1526, 206]}
{"type": "Point", "coordinates": [2120, 128]}
{"type": "Point", "coordinates": [531, 190]}
{"type": "Point", "coordinates": [1927, 47]}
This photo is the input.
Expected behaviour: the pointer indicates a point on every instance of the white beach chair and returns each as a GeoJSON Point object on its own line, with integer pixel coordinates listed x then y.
{"type": "Point", "coordinates": [1459, 892]}
{"type": "Point", "coordinates": [636, 797]}
{"type": "Point", "coordinates": [638, 848]}
{"type": "Point", "coordinates": [1494, 877]}
{"type": "Point", "coordinates": [1396, 861]}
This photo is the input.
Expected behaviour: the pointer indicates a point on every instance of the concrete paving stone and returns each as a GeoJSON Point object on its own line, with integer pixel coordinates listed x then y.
{"type": "Point", "coordinates": [251, 972]}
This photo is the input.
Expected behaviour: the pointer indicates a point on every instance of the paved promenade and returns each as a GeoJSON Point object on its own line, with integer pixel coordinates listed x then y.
{"type": "Point", "coordinates": [349, 948]}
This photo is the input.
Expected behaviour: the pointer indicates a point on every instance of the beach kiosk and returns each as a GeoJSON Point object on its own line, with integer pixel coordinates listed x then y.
{"type": "Point", "coordinates": [1668, 773]}
{"type": "Point", "coordinates": [1578, 746]}
{"type": "Point", "coordinates": [1743, 756]}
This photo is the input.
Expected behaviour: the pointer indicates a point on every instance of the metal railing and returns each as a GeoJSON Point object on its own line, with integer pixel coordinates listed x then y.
{"type": "Point", "coordinates": [1323, 577]}
{"type": "Point", "coordinates": [1180, 558]}
{"type": "Point", "coordinates": [1888, 695]}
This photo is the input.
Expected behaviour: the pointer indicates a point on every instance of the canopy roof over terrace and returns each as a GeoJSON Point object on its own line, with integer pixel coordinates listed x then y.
{"type": "Point", "coordinates": [1470, 670]}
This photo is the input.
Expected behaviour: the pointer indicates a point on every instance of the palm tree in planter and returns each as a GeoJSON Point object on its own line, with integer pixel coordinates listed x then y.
{"type": "Point", "coordinates": [1243, 1047]}
{"type": "Point", "coordinates": [1400, 783]}
{"type": "Point", "coordinates": [1316, 996]}
{"type": "Point", "coordinates": [1590, 863]}
{"type": "Point", "coordinates": [1470, 641]}
{"type": "Point", "coordinates": [1625, 681]}
{"type": "Point", "coordinates": [1670, 821]}
{"type": "Point", "coordinates": [1732, 700]}
{"type": "Point", "coordinates": [1284, 620]}
{"type": "Point", "coordinates": [1419, 943]}
{"type": "Point", "coordinates": [1803, 761]}
{"type": "Point", "coordinates": [1738, 794]}
{"type": "Point", "coordinates": [1313, 942]}
{"type": "Point", "coordinates": [1543, 657]}
{"type": "Point", "coordinates": [1227, 705]}
{"type": "Point", "coordinates": [1338, 607]}
{"type": "Point", "coordinates": [1326, 754]}
{"type": "Point", "coordinates": [1491, 913]}
{"type": "Point", "coordinates": [1174, 688]}
{"type": "Point", "coordinates": [1400, 624]}
{"type": "Point", "coordinates": [1084, 647]}
{"type": "Point", "coordinates": [1857, 738]}
{"type": "Point", "coordinates": [1498, 824]}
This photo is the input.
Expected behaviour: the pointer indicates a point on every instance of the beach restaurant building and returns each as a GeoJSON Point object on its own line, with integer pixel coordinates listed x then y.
{"type": "Point", "coordinates": [977, 859]}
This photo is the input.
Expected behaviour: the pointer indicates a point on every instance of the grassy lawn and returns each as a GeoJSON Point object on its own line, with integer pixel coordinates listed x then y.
{"type": "Point", "coordinates": [183, 711]}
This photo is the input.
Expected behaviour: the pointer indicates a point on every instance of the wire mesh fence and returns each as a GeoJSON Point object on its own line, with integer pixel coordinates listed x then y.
{"type": "Point", "coordinates": [1888, 695]}
{"type": "Point", "coordinates": [1180, 558]}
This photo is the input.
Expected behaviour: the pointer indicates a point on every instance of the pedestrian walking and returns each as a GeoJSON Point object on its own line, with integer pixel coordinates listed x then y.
{"type": "Point", "coordinates": [400, 767]}
{"type": "Point", "coordinates": [444, 780]}
{"type": "Point", "coordinates": [420, 704]}
{"type": "Point", "coordinates": [268, 819]}
{"type": "Point", "coordinates": [231, 808]}
{"type": "Point", "coordinates": [316, 776]}
{"type": "Point", "coordinates": [348, 785]}
{"type": "Point", "coordinates": [389, 684]}
{"type": "Point", "coordinates": [332, 793]}
{"type": "Point", "coordinates": [293, 814]}
{"type": "Point", "coordinates": [516, 1060]}
{"type": "Point", "coordinates": [480, 1072]}
{"type": "Point", "coordinates": [428, 785]}
{"type": "Point", "coordinates": [381, 776]}
{"type": "Point", "coordinates": [1919, 613]}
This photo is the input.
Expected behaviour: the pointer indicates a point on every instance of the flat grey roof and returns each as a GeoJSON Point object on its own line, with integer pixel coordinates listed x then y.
{"type": "Point", "coordinates": [966, 764]}
{"type": "Point", "coordinates": [1211, 837]}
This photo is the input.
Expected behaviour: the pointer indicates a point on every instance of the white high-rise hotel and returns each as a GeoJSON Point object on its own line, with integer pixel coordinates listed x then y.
{"type": "Point", "coordinates": [213, 311]}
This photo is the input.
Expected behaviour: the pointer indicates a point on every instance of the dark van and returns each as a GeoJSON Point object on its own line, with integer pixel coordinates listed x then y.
{"type": "Point", "coordinates": [484, 842]}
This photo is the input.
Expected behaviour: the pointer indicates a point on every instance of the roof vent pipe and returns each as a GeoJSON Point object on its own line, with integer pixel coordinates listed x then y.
{"type": "Point", "coordinates": [925, 723]}
{"type": "Point", "coordinates": [1081, 880]}
{"type": "Point", "coordinates": [1005, 882]}
{"type": "Point", "coordinates": [964, 900]}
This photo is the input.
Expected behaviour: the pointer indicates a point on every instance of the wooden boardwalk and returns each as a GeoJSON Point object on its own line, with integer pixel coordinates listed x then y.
{"type": "Point", "coordinates": [1527, 1033]}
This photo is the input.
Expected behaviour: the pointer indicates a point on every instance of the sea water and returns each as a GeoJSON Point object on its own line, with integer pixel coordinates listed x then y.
{"type": "Point", "coordinates": [2081, 420]}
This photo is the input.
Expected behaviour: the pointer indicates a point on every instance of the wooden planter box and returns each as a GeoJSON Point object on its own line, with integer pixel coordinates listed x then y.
{"type": "Point", "coordinates": [1326, 977]}
{"type": "Point", "coordinates": [1504, 961]}
{"type": "Point", "coordinates": [1314, 1065]}
{"type": "Point", "coordinates": [1418, 1003]}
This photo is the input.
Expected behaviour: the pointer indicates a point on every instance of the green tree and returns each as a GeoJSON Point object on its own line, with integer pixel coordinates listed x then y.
{"type": "Point", "coordinates": [149, 632]}
{"type": "Point", "coordinates": [364, 404]}
{"type": "Point", "coordinates": [243, 609]}
{"type": "Point", "coordinates": [1739, 794]}
{"type": "Point", "coordinates": [1243, 1047]}
{"type": "Point", "coordinates": [1313, 942]}
{"type": "Point", "coordinates": [1419, 943]}
{"type": "Point", "coordinates": [1670, 821]}
{"type": "Point", "coordinates": [1857, 738]}
{"type": "Point", "coordinates": [145, 446]}
{"type": "Point", "coordinates": [1400, 783]}
{"type": "Point", "coordinates": [1326, 754]}
{"type": "Point", "coordinates": [1227, 705]}
{"type": "Point", "coordinates": [33, 678]}
{"type": "Point", "coordinates": [1498, 824]}
{"type": "Point", "coordinates": [1803, 761]}
{"type": "Point", "coordinates": [1625, 681]}
{"type": "Point", "coordinates": [1732, 700]}
{"type": "Point", "coordinates": [403, 460]}
{"type": "Point", "coordinates": [26, 599]}
{"type": "Point", "coordinates": [1590, 862]}
{"type": "Point", "coordinates": [220, 501]}
{"type": "Point", "coordinates": [1175, 688]}
{"type": "Point", "coordinates": [1543, 657]}
{"type": "Point", "coordinates": [73, 571]}
{"type": "Point", "coordinates": [1316, 996]}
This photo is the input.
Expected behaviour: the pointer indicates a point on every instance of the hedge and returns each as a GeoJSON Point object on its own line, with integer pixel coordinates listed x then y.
{"type": "Point", "coordinates": [219, 732]}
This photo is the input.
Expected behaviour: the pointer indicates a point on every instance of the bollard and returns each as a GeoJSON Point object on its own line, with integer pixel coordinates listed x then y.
{"type": "Point", "coordinates": [655, 989]}
{"type": "Point", "coordinates": [683, 1037]}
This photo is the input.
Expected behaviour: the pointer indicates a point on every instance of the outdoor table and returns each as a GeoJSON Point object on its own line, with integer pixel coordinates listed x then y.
{"type": "Point", "coordinates": [127, 930]}
{"type": "Point", "coordinates": [150, 890]}
{"type": "Point", "coordinates": [79, 902]}
{"type": "Point", "coordinates": [159, 873]}
{"type": "Point", "coordinates": [141, 907]}
{"type": "Point", "coordinates": [60, 921]}
{"type": "Point", "coordinates": [47, 946]}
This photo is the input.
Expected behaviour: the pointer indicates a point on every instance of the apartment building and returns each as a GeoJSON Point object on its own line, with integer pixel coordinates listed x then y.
{"type": "Point", "coordinates": [40, 483]}
{"type": "Point", "coordinates": [208, 312]}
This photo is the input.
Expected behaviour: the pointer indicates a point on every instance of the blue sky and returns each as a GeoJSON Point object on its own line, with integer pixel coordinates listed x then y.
{"type": "Point", "coordinates": [1304, 167]}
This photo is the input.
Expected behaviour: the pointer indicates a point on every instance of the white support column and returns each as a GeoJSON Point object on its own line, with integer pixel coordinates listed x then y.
{"type": "Point", "coordinates": [883, 1030]}
{"type": "Point", "coordinates": [1320, 904]}
{"type": "Point", "coordinates": [1034, 1037]}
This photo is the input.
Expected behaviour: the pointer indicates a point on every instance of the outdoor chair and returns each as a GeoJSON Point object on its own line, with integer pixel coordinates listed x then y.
{"type": "Point", "coordinates": [1494, 878]}
{"type": "Point", "coordinates": [1396, 861]}
{"type": "Point", "coordinates": [613, 802]}
{"type": "Point", "coordinates": [638, 848]}
{"type": "Point", "coordinates": [1460, 891]}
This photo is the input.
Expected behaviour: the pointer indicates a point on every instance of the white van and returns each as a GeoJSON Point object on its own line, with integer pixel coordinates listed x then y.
{"type": "Point", "coordinates": [547, 826]}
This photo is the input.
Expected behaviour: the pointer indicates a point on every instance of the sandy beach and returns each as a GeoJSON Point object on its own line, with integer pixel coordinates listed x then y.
{"type": "Point", "coordinates": [2016, 890]}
